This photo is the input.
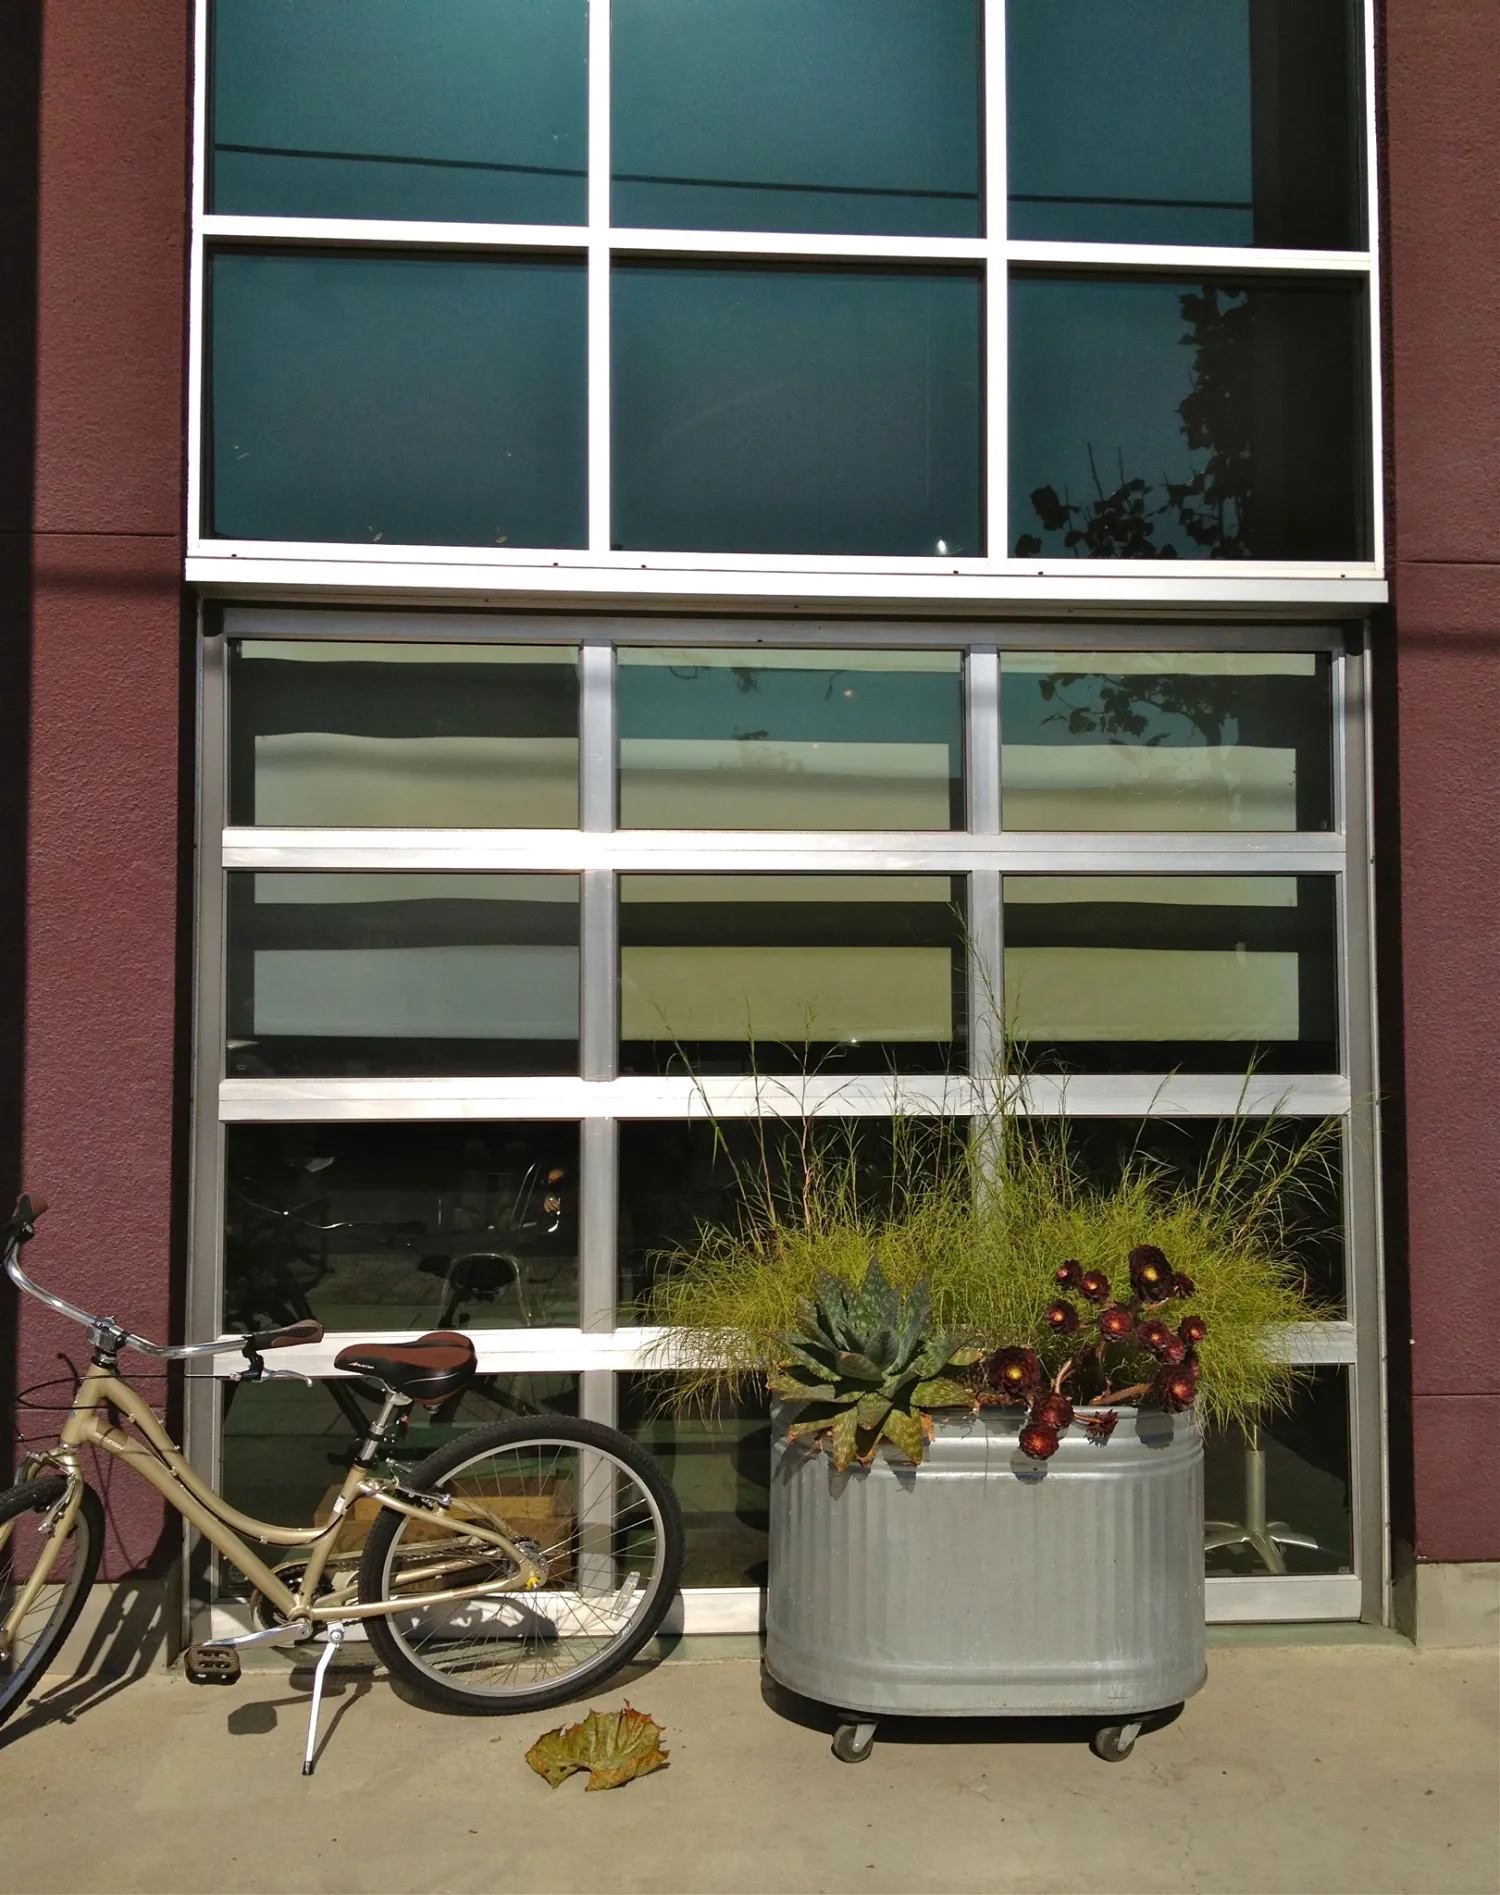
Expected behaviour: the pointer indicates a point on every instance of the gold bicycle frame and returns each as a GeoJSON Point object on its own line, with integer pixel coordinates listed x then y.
{"type": "Point", "coordinates": [156, 1457]}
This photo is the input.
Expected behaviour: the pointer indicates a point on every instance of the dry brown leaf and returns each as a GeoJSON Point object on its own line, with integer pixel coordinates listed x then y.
{"type": "Point", "coordinates": [613, 1746]}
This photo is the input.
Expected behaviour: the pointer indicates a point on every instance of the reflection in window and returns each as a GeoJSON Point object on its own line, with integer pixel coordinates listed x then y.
{"type": "Point", "coordinates": [719, 1465]}
{"type": "Point", "coordinates": [761, 739]}
{"type": "Point", "coordinates": [288, 1445]}
{"type": "Point", "coordinates": [333, 735]}
{"type": "Point", "coordinates": [401, 1227]}
{"type": "Point", "coordinates": [1176, 121]}
{"type": "Point", "coordinates": [1166, 740]}
{"type": "Point", "coordinates": [778, 410]}
{"type": "Point", "coordinates": [776, 973]}
{"type": "Point", "coordinates": [460, 110]}
{"type": "Point", "coordinates": [1162, 419]}
{"type": "Point", "coordinates": [1277, 1497]}
{"type": "Point", "coordinates": [417, 400]}
{"type": "Point", "coordinates": [830, 115]}
{"type": "Point", "coordinates": [1155, 973]}
{"type": "Point", "coordinates": [354, 974]}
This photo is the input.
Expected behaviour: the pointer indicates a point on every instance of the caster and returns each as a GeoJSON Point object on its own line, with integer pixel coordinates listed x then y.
{"type": "Point", "coordinates": [852, 1743]}
{"type": "Point", "coordinates": [1114, 1742]}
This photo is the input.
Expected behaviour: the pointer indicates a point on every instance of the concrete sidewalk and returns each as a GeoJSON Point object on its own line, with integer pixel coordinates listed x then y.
{"type": "Point", "coordinates": [1302, 1769]}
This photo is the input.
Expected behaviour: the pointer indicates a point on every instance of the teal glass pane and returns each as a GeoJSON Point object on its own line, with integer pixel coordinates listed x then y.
{"type": "Point", "coordinates": [1168, 419]}
{"type": "Point", "coordinates": [454, 110]}
{"type": "Point", "coordinates": [756, 739]}
{"type": "Point", "coordinates": [1184, 121]}
{"type": "Point", "coordinates": [825, 115]}
{"type": "Point", "coordinates": [797, 411]}
{"type": "Point", "coordinates": [1172, 973]}
{"type": "Point", "coordinates": [396, 1227]}
{"type": "Point", "coordinates": [792, 973]}
{"type": "Point", "coordinates": [349, 975]}
{"type": "Point", "coordinates": [412, 400]}
{"type": "Point", "coordinates": [1162, 740]}
{"type": "Point", "coordinates": [346, 735]}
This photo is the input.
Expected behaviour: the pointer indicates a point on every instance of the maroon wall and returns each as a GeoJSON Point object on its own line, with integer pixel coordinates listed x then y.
{"type": "Point", "coordinates": [104, 972]}
{"type": "Point", "coordinates": [1442, 107]}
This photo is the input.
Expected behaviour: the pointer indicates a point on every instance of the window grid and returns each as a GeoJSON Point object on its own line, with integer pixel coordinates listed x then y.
{"type": "Point", "coordinates": [601, 1347]}
{"type": "Point", "coordinates": [597, 568]}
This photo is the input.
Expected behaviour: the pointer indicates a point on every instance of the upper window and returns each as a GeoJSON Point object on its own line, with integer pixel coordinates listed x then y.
{"type": "Point", "coordinates": [798, 283]}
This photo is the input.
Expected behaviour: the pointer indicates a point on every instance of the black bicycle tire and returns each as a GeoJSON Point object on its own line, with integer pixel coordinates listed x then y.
{"type": "Point", "coordinates": [430, 1474]}
{"type": "Point", "coordinates": [34, 1496]}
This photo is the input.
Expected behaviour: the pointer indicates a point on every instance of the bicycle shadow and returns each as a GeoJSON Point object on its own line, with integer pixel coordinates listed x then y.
{"type": "Point", "coordinates": [122, 1647]}
{"type": "Point", "coordinates": [260, 1717]}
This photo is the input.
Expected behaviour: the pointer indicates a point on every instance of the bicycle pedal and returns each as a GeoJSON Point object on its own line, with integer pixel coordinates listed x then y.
{"type": "Point", "coordinates": [211, 1664]}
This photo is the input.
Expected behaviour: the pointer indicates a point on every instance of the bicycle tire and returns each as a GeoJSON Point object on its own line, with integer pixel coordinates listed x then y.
{"type": "Point", "coordinates": [437, 1671]}
{"type": "Point", "coordinates": [61, 1610]}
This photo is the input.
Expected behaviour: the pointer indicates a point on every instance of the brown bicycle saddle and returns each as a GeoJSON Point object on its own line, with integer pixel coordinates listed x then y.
{"type": "Point", "coordinates": [428, 1370]}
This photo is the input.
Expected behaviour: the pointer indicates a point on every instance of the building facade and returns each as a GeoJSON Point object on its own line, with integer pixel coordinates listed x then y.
{"type": "Point", "coordinates": [556, 550]}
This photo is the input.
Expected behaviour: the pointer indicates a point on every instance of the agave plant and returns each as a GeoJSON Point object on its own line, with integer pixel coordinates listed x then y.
{"type": "Point", "coordinates": [867, 1365]}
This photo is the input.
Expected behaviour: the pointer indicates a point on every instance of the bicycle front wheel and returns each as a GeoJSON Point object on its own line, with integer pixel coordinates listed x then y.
{"type": "Point", "coordinates": [27, 1529]}
{"type": "Point", "coordinates": [599, 1512]}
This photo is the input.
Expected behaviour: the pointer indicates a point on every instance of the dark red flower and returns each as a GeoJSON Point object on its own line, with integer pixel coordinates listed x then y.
{"type": "Point", "coordinates": [1053, 1411]}
{"type": "Point", "coordinates": [1192, 1329]}
{"type": "Point", "coordinates": [1174, 1389]}
{"type": "Point", "coordinates": [1039, 1441]}
{"type": "Point", "coordinates": [1070, 1274]}
{"type": "Point", "coordinates": [1062, 1318]}
{"type": "Point", "coordinates": [1183, 1286]}
{"type": "Point", "coordinates": [1153, 1335]}
{"type": "Point", "coordinates": [1095, 1286]}
{"type": "Point", "coordinates": [1101, 1427]}
{"type": "Point", "coordinates": [1173, 1352]}
{"type": "Point", "coordinates": [1193, 1366]}
{"type": "Point", "coordinates": [1150, 1273]}
{"type": "Point", "coordinates": [1116, 1322]}
{"type": "Point", "coordinates": [1017, 1371]}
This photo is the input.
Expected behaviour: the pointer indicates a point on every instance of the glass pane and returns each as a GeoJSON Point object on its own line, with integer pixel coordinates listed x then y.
{"type": "Point", "coordinates": [1165, 419]}
{"type": "Point", "coordinates": [1166, 740]}
{"type": "Point", "coordinates": [1278, 1499]}
{"type": "Point", "coordinates": [466, 110]}
{"type": "Point", "coordinates": [791, 973]}
{"type": "Point", "coordinates": [839, 115]}
{"type": "Point", "coordinates": [678, 1178]}
{"type": "Point", "coordinates": [1159, 973]}
{"type": "Point", "coordinates": [796, 411]}
{"type": "Point", "coordinates": [287, 1446]}
{"type": "Point", "coordinates": [391, 1227]}
{"type": "Point", "coordinates": [720, 1466]}
{"type": "Point", "coordinates": [1312, 1210]}
{"type": "Point", "coordinates": [347, 736]}
{"type": "Point", "coordinates": [790, 739]}
{"type": "Point", "coordinates": [412, 400]}
{"type": "Point", "coordinates": [1184, 121]}
{"type": "Point", "coordinates": [356, 974]}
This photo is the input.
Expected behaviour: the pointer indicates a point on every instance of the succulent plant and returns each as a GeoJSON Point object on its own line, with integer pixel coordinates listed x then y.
{"type": "Point", "coordinates": [867, 1365]}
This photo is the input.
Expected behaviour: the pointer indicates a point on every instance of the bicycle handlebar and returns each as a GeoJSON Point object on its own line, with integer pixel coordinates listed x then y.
{"type": "Point", "coordinates": [29, 1207]}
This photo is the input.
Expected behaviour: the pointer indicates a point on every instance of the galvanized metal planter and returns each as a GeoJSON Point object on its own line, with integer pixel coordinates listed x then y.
{"type": "Point", "coordinates": [984, 1583]}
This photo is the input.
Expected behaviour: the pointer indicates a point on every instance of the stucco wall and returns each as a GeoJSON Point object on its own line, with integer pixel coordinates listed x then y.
{"type": "Point", "coordinates": [1441, 883]}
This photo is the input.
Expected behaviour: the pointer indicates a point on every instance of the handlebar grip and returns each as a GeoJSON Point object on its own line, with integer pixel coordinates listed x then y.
{"type": "Point", "coordinates": [30, 1205]}
{"type": "Point", "coordinates": [294, 1333]}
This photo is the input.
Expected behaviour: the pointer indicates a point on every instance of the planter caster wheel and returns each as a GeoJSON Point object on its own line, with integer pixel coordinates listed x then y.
{"type": "Point", "coordinates": [852, 1743]}
{"type": "Point", "coordinates": [1114, 1742]}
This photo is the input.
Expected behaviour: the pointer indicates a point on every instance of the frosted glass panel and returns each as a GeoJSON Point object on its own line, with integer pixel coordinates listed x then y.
{"type": "Point", "coordinates": [1166, 740]}
{"type": "Point", "coordinates": [1157, 973]}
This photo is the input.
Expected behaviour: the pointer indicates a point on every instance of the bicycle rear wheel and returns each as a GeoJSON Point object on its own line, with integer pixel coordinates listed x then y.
{"type": "Point", "coordinates": [600, 1512]}
{"type": "Point", "coordinates": [24, 1532]}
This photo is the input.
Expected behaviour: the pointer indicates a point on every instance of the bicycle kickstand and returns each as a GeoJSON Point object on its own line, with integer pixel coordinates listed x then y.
{"type": "Point", "coordinates": [334, 1639]}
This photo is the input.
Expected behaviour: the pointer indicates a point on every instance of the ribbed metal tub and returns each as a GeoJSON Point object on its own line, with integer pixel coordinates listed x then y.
{"type": "Point", "coordinates": [983, 1583]}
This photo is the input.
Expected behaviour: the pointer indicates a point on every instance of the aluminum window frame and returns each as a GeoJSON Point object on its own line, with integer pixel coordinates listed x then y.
{"type": "Point", "coordinates": [599, 1100]}
{"type": "Point", "coordinates": [227, 565]}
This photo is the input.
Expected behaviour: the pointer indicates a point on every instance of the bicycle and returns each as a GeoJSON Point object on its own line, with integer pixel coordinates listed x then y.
{"type": "Point", "coordinates": [516, 1567]}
